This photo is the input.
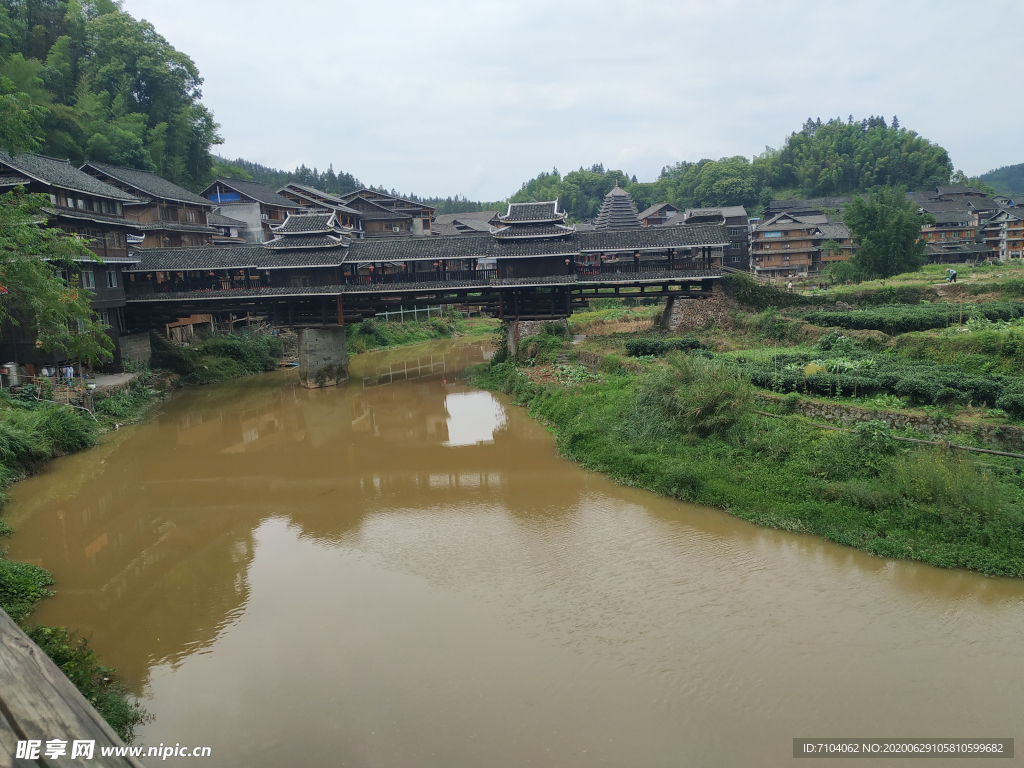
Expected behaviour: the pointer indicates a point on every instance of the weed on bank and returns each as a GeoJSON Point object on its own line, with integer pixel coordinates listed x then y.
{"type": "Point", "coordinates": [688, 429]}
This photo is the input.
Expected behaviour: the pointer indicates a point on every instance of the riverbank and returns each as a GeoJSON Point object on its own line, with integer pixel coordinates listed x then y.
{"type": "Point", "coordinates": [687, 416]}
{"type": "Point", "coordinates": [372, 334]}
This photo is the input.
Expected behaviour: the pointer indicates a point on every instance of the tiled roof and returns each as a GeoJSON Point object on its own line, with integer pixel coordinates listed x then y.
{"type": "Point", "coordinates": [251, 189]}
{"type": "Point", "coordinates": [306, 222]}
{"type": "Point", "coordinates": [148, 183]}
{"type": "Point", "coordinates": [444, 230]}
{"type": "Point", "coordinates": [307, 241]}
{"type": "Point", "coordinates": [540, 212]}
{"type": "Point", "coordinates": [449, 218]}
{"type": "Point", "coordinates": [311, 194]}
{"type": "Point", "coordinates": [11, 181]}
{"type": "Point", "coordinates": [726, 211]}
{"type": "Point", "coordinates": [174, 226]}
{"type": "Point", "coordinates": [432, 248]}
{"type": "Point", "coordinates": [60, 173]}
{"type": "Point", "coordinates": [476, 225]}
{"type": "Point", "coordinates": [955, 189]}
{"type": "Point", "coordinates": [951, 217]}
{"type": "Point", "coordinates": [526, 231]}
{"type": "Point", "coordinates": [657, 208]}
{"type": "Point", "coordinates": [834, 231]}
{"type": "Point", "coordinates": [232, 257]}
{"type": "Point", "coordinates": [217, 220]}
{"type": "Point", "coordinates": [378, 215]}
{"type": "Point", "coordinates": [98, 218]}
{"type": "Point", "coordinates": [628, 278]}
{"type": "Point", "coordinates": [348, 196]}
{"type": "Point", "coordinates": [617, 211]}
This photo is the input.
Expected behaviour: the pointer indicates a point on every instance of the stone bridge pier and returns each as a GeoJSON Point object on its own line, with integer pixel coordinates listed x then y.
{"type": "Point", "coordinates": [323, 357]}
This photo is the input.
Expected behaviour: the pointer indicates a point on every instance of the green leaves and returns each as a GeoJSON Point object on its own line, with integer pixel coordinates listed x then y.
{"type": "Point", "coordinates": [886, 228]}
{"type": "Point", "coordinates": [59, 313]}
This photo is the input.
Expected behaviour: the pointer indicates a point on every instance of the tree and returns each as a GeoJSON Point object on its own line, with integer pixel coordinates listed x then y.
{"type": "Point", "coordinates": [886, 228]}
{"type": "Point", "coordinates": [31, 254]}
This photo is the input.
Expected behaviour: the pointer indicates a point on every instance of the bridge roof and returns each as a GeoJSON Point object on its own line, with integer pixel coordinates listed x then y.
{"type": "Point", "coordinates": [487, 247]}
{"type": "Point", "coordinates": [483, 246]}
{"type": "Point", "coordinates": [233, 257]}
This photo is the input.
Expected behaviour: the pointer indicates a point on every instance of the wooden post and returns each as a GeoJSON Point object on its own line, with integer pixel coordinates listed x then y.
{"type": "Point", "coordinates": [341, 316]}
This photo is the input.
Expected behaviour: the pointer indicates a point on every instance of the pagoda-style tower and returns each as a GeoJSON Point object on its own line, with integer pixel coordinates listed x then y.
{"type": "Point", "coordinates": [617, 211]}
{"type": "Point", "coordinates": [310, 230]}
{"type": "Point", "coordinates": [532, 221]}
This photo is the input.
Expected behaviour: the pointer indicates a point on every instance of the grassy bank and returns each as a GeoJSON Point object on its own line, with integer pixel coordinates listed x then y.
{"type": "Point", "coordinates": [373, 334]}
{"type": "Point", "coordinates": [679, 413]}
{"type": "Point", "coordinates": [687, 428]}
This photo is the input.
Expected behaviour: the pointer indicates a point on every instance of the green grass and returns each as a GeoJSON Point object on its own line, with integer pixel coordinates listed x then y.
{"type": "Point", "coordinates": [219, 358]}
{"type": "Point", "coordinates": [687, 430]}
{"type": "Point", "coordinates": [372, 333]}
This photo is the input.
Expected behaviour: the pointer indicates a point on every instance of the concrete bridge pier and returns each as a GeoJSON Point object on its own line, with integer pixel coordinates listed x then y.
{"type": "Point", "coordinates": [323, 357]}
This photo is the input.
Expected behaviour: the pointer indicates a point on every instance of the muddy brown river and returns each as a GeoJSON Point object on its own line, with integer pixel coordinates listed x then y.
{"type": "Point", "coordinates": [403, 572]}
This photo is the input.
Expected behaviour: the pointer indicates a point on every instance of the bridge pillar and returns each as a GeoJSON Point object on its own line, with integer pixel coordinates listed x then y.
{"type": "Point", "coordinates": [323, 357]}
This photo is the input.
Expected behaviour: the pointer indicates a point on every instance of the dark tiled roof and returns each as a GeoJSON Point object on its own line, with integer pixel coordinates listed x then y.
{"type": "Point", "coordinates": [432, 248]}
{"type": "Point", "coordinates": [348, 197]}
{"type": "Point", "coordinates": [657, 208]}
{"type": "Point", "coordinates": [955, 189]}
{"type": "Point", "coordinates": [626, 278]}
{"type": "Point", "coordinates": [727, 211]}
{"type": "Point", "coordinates": [306, 222]}
{"type": "Point", "coordinates": [251, 189]}
{"type": "Point", "coordinates": [217, 220]}
{"type": "Point", "coordinates": [449, 218]}
{"type": "Point", "coordinates": [834, 231]}
{"type": "Point", "coordinates": [11, 181]}
{"type": "Point", "coordinates": [475, 225]}
{"type": "Point", "coordinates": [60, 173]}
{"type": "Point", "coordinates": [307, 241]}
{"type": "Point", "coordinates": [314, 195]}
{"type": "Point", "coordinates": [444, 230]}
{"type": "Point", "coordinates": [232, 257]}
{"type": "Point", "coordinates": [946, 218]}
{"type": "Point", "coordinates": [533, 212]}
{"type": "Point", "coordinates": [98, 218]}
{"type": "Point", "coordinates": [617, 211]}
{"type": "Point", "coordinates": [378, 215]}
{"type": "Point", "coordinates": [174, 226]}
{"type": "Point", "coordinates": [148, 183]}
{"type": "Point", "coordinates": [524, 231]}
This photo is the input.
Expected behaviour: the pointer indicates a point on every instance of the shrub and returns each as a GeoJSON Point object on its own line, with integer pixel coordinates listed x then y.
{"type": "Point", "coordinates": [65, 430]}
{"type": "Point", "coordinates": [126, 403]}
{"type": "Point", "coordinates": [658, 347]}
{"type": "Point", "coordinates": [896, 319]}
{"type": "Point", "coordinates": [748, 292]}
{"type": "Point", "coordinates": [22, 585]}
{"type": "Point", "coordinates": [694, 395]}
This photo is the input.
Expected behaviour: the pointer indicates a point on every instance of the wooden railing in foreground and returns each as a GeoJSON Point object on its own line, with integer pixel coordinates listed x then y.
{"type": "Point", "coordinates": [38, 702]}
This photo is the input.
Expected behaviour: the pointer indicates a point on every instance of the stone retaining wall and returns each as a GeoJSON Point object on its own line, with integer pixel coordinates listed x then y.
{"type": "Point", "coordinates": [687, 314]}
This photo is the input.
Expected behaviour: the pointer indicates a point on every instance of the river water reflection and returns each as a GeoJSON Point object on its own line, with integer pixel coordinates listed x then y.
{"type": "Point", "coordinates": [403, 572]}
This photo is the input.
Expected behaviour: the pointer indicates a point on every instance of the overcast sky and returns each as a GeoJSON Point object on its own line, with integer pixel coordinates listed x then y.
{"type": "Point", "coordinates": [474, 98]}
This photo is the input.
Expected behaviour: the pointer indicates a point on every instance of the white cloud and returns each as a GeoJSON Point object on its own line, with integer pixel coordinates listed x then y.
{"type": "Point", "coordinates": [476, 97]}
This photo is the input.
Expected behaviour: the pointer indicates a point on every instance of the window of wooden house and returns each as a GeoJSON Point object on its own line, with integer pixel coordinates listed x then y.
{"type": "Point", "coordinates": [81, 204]}
{"type": "Point", "coordinates": [53, 198]}
{"type": "Point", "coordinates": [118, 209]}
{"type": "Point", "coordinates": [88, 278]}
{"type": "Point", "coordinates": [105, 317]}
{"type": "Point", "coordinates": [111, 278]}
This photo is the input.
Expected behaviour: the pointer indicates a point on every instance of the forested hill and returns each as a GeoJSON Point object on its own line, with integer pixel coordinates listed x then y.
{"type": "Point", "coordinates": [1009, 179]}
{"type": "Point", "coordinates": [327, 181]}
{"type": "Point", "coordinates": [838, 157]}
{"type": "Point", "coordinates": [106, 86]}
